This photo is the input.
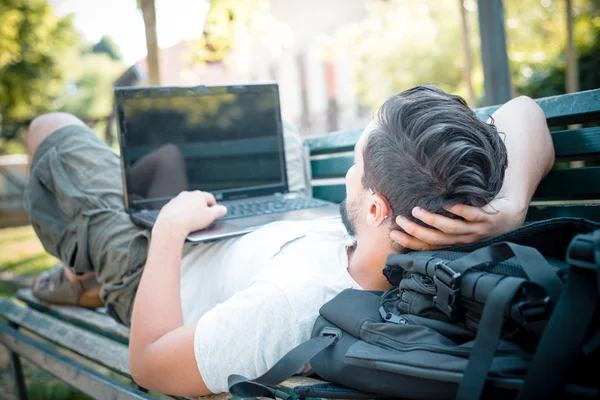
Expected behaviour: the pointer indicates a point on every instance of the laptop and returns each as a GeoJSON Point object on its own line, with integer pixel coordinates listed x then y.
{"type": "Point", "coordinates": [226, 140]}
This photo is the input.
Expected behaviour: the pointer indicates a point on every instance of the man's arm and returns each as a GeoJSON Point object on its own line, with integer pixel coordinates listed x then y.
{"type": "Point", "coordinates": [530, 157]}
{"type": "Point", "coordinates": [161, 348]}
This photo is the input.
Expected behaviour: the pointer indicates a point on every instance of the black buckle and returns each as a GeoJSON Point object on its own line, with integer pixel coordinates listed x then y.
{"type": "Point", "coordinates": [536, 310]}
{"type": "Point", "coordinates": [447, 284]}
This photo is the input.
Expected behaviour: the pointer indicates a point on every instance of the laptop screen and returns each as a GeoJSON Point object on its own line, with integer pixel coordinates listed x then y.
{"type": "Point", "coordinates": [227, 140]}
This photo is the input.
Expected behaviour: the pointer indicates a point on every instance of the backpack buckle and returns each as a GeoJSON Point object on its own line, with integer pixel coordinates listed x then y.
{"type": "Point", "coordinates": [447, 284]}
{"type": "Point", "coordinates": [536, 310]}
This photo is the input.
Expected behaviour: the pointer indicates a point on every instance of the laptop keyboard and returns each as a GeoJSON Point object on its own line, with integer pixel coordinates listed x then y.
{"type": "Point", "coordinates": [269, 206]}
{"type": "Point", "coordinates": [253, 208]}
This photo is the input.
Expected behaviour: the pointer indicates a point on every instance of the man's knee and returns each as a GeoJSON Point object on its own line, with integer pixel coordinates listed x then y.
{"type": "Point", "coordinates": [42, 126]}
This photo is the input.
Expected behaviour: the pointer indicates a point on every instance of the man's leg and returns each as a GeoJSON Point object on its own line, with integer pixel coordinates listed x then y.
{"type": "Point", "coordinates": [39, 129]}
{"type": "Point", "coordinates": [42, 126]}
{"type": "Point", "coordinates": [74, 197]}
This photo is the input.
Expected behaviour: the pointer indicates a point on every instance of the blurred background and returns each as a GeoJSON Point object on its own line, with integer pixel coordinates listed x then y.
{"type": "Point", "coordinates": [335, 62]}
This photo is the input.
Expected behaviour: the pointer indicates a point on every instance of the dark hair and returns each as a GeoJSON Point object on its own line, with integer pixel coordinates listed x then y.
{"type": "Point", "coordinates": [429, 149]}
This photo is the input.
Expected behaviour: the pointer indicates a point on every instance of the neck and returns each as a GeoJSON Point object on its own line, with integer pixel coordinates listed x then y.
{"type": "Point", "coordinates": [365, 265]}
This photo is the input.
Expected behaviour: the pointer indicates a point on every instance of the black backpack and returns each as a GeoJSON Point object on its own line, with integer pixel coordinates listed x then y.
{"type": "Point", "coordinates": [510, 316]}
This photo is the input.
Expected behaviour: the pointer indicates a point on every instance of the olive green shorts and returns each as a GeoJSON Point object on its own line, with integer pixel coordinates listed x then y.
{"type": "Point", "coordinates": [75, 202]}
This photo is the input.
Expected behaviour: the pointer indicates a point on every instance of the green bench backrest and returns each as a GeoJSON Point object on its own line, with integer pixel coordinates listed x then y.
{"type": "Point", "coordinates": [566, 191]}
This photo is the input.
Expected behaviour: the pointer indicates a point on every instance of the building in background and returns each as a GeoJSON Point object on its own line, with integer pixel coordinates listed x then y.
{"type": "Point", "coordinates": [316, 89]}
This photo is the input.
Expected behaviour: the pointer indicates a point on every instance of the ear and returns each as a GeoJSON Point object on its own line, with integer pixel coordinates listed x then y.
{"type": "Point", "coordinates": [379, 211]}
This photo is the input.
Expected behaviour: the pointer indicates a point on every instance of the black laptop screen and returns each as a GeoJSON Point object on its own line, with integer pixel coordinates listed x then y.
{"type": "Point", "coordinates": [224, 140]}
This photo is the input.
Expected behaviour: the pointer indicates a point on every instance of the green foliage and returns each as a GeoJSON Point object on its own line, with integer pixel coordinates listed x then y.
{"type": "Point", "coordinates": [35, 49]}
{"type": "Point", "coordinates": [536, 34]}
{"type": "Point", "coordinates": [108, 46]}
{"type": "Point", "coordinates": [549, 79]}
{"type": "Point", "coordinates": [45, 65]}
{"type": "Point", "coordinates": [400, 44]}
{"type": "Point", "coordinates": [231, 22]}
{"type": "Point", "coordinates": [89, 90]}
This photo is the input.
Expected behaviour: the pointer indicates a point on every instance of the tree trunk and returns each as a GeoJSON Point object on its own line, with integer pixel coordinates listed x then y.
{"type": "Point", "coordinates": [572, 73]}
{"type": "Point", "coordinates": [572, 84]}
{"type": "Point", "coordinates": [467, 54]}
{"type": "Point", "coordinates": [149, 14]}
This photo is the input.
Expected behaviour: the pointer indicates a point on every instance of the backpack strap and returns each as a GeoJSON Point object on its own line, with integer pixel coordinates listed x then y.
{"type": "Point", "coordinates": [490, 326]}
{"type": "Point", "coordinates": [561, 343]}
{"type": "Point", "coordinates": [537, 269]}
{"type": "Point", "coordinates": [289, 364]}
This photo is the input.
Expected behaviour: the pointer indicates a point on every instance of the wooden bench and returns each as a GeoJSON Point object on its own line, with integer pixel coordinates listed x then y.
{"type": "Point", "coordinates": [88, 350]}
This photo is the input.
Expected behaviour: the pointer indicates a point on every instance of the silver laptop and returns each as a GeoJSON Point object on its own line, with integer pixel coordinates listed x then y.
{"type": "Point", "coordinates": [226, 140]}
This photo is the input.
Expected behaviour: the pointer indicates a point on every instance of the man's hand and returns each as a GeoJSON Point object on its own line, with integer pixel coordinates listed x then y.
{"type": "Point", "coordinates": [499, 216]}
{"type": "Point", "coordinates": [189, 212]}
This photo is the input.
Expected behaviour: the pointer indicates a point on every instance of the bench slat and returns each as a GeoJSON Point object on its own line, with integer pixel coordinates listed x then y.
{"type": "Point", "coordinates": [333, 142]}
{"type": "Point", "coordinates": [560, 110]}
{"type": "Point", "coordinates": [331, 167]}
{"type": "Point", "coordinates": [105, 352]}
{"type": "Point", "coordinates": [570, 184]}
{"type": "Point", "coordinates": [537, 213]}
{"type": "Point", "coordinates": [77, 375]}
{"type": "Point", "coordinates": [560, 184]}
{"type": "Point", "coordinates": [572, 108]}
{"type": "Point", "coordinates": [334, 193]}
{"type": "Point", "coordinates": [571, 144]}
{"type": "Point", "coordinates": [337, 192]}
{"type": "Point", "coordinates": [90, 320]}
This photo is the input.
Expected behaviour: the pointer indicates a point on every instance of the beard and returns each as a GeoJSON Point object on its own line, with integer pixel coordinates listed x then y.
{"type": "Point", "coordinates": [348, 213]}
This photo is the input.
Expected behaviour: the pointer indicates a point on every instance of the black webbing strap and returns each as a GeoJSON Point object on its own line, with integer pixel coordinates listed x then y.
{"type": "Point", "coordinates": [286, 367]}
{"type": "Point", "coordinates": [561, 343]}
{"type": "Point", "coordinates": [592, 345]}
{"type": "Point", "coordinates": [490, 326]}
{"type": "Point", "coordinates": [536, 267]}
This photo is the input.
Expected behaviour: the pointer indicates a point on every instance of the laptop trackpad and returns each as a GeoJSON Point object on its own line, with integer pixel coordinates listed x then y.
{"type": "Point", "coordinates": [252, 221]}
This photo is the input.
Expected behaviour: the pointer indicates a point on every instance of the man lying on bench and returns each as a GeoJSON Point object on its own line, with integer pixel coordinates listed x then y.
{"type": "Point", "coordinates": [201, 313]}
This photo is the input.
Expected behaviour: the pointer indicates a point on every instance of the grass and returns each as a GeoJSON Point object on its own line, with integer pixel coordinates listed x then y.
{"type": "Point", "coordinates": [22, 257]}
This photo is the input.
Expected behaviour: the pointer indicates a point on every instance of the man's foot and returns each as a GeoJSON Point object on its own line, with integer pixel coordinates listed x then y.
{"type": "Point", "coordinates": [60, 286]}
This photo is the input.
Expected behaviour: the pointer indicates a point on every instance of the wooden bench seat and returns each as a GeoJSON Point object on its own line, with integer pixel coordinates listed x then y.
{"type": "Point", "coordinates": [92, 336]}
{"type": "Point", "coordinates": [66, 341]}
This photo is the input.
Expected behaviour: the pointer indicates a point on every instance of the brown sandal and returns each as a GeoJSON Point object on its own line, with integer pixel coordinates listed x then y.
{"type": "Point", "coordinates": [53, 287]}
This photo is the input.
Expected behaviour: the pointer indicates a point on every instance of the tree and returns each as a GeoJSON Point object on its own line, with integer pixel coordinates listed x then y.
{"type": "Point", "coordinates": [537, 36]}
{"type": "Point", "coordinates": [468, 66]}
{"type": "Point", "coordinates": [107, 46]}
{"type": "Point", "coordinates": [153, 59]}
{"type": "Point", "coordinates": [550, 79]}
{"type": "Point", "coordinates": [89, 92]}
{"type": "Point", "coordinates": [572, 81]}
{"type": "Point", "coordinates": [35, 49]}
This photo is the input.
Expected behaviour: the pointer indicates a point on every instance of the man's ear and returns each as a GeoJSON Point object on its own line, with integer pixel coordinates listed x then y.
{"type": "Point", "coordinates": [379, 210]}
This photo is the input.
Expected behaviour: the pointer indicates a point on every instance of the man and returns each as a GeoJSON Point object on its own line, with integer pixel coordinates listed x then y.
{"type": "Point", "coordinates": [202, 313]}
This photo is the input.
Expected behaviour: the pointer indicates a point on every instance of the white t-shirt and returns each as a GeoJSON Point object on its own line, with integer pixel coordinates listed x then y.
{"type": "Point", "coordinates": [257, 296]}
